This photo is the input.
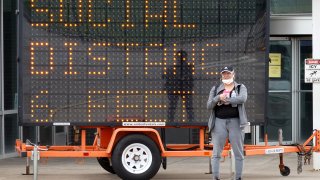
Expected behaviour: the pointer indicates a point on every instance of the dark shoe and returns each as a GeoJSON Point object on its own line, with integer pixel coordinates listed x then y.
{"type": "Point", "coordinates": [238, 179]}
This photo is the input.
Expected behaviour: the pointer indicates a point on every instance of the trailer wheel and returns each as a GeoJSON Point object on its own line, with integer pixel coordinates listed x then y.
{"type": "Point", "coordinates": [136, 157]}
{"type": "Point", "coordinates": [105, 164]}
{"type": "Point", "coordinates": [285, 171]}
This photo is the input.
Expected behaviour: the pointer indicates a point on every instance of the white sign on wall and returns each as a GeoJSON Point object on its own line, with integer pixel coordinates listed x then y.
{"type": "Point", "coordinates": [312, 70]}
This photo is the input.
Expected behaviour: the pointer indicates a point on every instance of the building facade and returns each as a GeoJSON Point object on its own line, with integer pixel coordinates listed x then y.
{"type": "Point", "coordinates": [9, 129]}
{"type": "Point", "coordinates": [289, 104]}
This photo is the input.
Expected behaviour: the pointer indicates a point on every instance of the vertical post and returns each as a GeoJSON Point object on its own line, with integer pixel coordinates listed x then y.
{"type": "Point", "coordinates": [266, 139]}
{"type": "Point", "coordinates": [316, 86]}
{"type": "Point", "coordinates": [317, 140]}
{"type": "Point", "coordinates": [35, 156]}
{"type": "Point", "coordinates": [201, 138]}
{"type": "Point", "coordinates": [83, 139]}
{"type": "Point", "coordinates": [1, 80]}
{"type": "Point", "coordinates": [28, 166]}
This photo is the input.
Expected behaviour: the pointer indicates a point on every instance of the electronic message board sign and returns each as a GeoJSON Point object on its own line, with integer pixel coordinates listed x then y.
{"type": "Point", "coordinates": [108, 62]}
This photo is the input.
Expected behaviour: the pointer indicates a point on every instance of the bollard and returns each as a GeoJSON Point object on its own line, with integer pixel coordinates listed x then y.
{"type": "Point", "coordinates": [35, 157]}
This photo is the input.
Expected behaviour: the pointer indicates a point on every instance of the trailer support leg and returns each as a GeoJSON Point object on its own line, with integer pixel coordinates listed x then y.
{"type": "Point", "coordinates": [27, 167]}
{"type": "Point", "coordinates": [281, 165]}
{"type": "Point", "coordinates": [210, 166]}
{"type": "Point", "coordinates": [284, 170]}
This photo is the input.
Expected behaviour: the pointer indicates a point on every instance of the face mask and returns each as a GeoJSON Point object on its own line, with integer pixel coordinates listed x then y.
{"type": "Point", "coordinates": [227, 81]}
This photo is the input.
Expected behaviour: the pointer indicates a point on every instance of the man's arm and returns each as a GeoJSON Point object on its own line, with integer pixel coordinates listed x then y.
{"type": "Point", "coordinates": [213, 99]}
{"type": "Point", "coordinates": [241, 97]}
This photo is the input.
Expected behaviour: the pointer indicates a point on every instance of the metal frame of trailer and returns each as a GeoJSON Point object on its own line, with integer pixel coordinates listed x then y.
{"type": "Point", "coordinates": [108, 139]}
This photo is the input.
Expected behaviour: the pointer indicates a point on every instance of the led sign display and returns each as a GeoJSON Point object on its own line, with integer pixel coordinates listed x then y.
{"type": "Point", "coordinates": [103, 62]}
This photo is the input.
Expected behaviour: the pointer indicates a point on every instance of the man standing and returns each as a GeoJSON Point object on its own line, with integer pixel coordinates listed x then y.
{"type": "Point", "coordinates": [228, 119]}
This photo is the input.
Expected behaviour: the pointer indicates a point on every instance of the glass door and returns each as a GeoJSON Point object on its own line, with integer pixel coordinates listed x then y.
{"type": "Point", "coordinates": [279, 105]}
{"type": "Point", "coordinates": [305, 93]}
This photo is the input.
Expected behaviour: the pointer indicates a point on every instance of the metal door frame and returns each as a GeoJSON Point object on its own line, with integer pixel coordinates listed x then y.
{"type": "Point", "coordinates": [1, 84]}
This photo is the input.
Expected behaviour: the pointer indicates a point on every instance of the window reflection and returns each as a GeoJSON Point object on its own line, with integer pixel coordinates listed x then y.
{"type": "Point", "coordinates": [10, 132]}
{"type": "Point", "coordinates": [29, 132]}
{"type": "Point", "coordinates": [9, 52]}
{"type": "Point", "coordinates": [46, 135]}
{"type": "Point", "coordinates": [305, 52]}
{"type": "Point", "coordinates": [306, 120]}
{"type": "Point", "coordinates": [290, 6]}
{"type": "Point", "coordinates": [279, 116]}
{"type": "Point", "coordinates": [283, 81]}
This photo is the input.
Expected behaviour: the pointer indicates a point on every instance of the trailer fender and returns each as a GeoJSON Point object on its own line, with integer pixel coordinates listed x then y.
{"type": "Point", "coordinates": [122, 132]}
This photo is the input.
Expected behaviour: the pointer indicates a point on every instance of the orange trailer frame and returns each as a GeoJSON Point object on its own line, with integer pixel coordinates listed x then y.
{"type": "Point", "coordinates": [107, 137]}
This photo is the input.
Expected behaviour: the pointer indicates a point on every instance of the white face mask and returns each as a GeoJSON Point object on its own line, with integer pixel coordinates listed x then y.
{"type": "Point", "coordinates": [227, 81]}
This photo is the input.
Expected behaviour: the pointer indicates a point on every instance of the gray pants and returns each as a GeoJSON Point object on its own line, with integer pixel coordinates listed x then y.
{"type": "Point", "coordinates": [223, 129]}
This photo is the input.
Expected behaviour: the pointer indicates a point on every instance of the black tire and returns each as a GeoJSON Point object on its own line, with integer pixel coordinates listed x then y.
{"type": "Point", "coordinates": [105, 164]}
{"type": "Point", "coordinates": [127, 161]}
{"type": "Point", "coordinates": [285, 171]}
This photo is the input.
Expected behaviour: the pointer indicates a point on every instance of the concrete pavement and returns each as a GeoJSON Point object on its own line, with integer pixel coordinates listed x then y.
{"type": "Point", "coordinates": [195, 168]}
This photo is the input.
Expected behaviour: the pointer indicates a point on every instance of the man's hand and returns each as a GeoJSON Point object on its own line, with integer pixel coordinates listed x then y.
{"type": "Point", "coordinates": [223, 97]}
